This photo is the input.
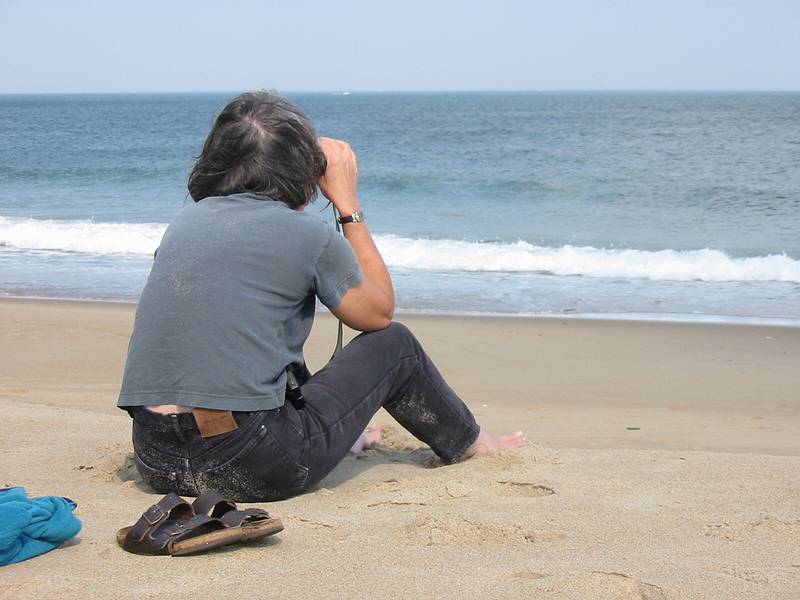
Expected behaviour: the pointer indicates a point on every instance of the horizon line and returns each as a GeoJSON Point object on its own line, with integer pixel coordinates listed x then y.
{"type": "Point", "coordinates": [412, 91]}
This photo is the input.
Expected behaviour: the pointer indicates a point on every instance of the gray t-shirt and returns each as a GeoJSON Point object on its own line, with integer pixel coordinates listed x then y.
{"type": "Point", "coordinates": [230, 302]}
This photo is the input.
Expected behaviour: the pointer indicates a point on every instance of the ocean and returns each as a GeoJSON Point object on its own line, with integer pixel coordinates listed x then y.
{"type": "Point", "coordinates": [645, 205]}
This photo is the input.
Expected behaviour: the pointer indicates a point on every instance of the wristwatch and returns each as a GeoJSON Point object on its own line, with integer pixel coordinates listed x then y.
{"type": "Point", "coordinates": [356, 217]}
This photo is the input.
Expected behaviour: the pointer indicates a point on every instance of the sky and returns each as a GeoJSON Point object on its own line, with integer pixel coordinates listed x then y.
{"type": "Point", "coordinates": [349, 45]}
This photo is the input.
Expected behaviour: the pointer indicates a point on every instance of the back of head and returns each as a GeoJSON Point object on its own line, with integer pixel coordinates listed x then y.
{"type": "Point", "coordinates": [260, 143]}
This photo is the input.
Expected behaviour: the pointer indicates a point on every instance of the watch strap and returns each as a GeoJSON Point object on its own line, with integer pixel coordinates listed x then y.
{"type": "Point", "coordinates": [356, 217]}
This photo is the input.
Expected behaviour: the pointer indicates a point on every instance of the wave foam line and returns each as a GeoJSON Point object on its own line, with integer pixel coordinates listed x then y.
{"type": "Point", "coordinates": [81, 236]}
{"type": "Point", "coordinates": [674, 265]}
{"type": "Point", "coordinates": [437, 255]}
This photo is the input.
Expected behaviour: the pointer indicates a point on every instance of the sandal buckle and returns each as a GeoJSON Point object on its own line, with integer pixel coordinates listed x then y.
{"type": "Point", "coordinates": [154, 514]}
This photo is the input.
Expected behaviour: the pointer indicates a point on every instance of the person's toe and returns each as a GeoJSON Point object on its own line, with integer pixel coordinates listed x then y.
{"type": "Point", "coordinates": [516, 440]}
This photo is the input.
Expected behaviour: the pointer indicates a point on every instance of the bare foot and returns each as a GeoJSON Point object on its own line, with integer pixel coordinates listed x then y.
{"type": "Point", "coordinates": [370, 437]}
{"type": "Point", "coordinates": [489, 442]}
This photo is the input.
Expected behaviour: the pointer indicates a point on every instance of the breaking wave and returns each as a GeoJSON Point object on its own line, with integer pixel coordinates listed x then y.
{"type": "Point", "coordinates": [436, 255]}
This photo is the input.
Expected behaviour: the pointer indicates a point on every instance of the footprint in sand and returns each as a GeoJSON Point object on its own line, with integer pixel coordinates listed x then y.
{"type": "Point", "coordinates": [526, 489]}
{"type": "Point", "coordinates": [769, 528]}
{"type": "Point", "coordinates": [597, 585]}
{"type": "Point", "coordinates": [749, 575]}
{"type": "Point", "coordinates": [432, 531]}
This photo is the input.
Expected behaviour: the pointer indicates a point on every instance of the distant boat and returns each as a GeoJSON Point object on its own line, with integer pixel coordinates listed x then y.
{"type": "Point", "coordinates": [341, 93]}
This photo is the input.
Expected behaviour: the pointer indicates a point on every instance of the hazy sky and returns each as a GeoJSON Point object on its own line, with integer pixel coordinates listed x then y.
{"type": "Point", "coordinates": [144, 45]}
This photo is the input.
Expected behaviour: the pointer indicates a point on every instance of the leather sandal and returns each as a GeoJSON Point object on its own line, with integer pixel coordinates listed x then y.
{"type": "Point", "coordinates": [173, 526]}
{"type": "Point", "coordinates": [213, 504]}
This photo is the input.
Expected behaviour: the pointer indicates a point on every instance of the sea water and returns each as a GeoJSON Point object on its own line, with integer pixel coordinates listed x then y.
{"type": "Point", "coordinates": [660, 204]}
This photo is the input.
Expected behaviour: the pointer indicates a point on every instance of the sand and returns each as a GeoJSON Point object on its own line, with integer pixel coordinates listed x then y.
{"type": "Point", "coordinates": [664, 465]}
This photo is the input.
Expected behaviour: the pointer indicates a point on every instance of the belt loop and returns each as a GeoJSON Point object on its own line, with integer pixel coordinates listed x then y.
{"type": "Point", "coordinates": [176, 425]}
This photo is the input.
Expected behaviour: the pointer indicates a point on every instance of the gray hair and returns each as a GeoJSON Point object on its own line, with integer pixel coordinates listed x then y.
{"type": "Point", "coordinates": [263, 144]}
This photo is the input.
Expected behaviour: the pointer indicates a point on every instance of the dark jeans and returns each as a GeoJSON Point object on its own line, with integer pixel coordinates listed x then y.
{"type": "Point", "coordinates": [279, 453]}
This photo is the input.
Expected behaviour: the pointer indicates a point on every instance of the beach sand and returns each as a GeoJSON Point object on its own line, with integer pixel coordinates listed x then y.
{"type": "Point", "coordinates": [664, 465]}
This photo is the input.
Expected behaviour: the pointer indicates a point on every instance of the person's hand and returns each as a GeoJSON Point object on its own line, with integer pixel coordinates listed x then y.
{"type": "Point", "coordinates": [340, 180]}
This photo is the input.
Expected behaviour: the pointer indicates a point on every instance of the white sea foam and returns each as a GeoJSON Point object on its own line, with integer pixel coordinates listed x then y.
{"type": "Point", "coordinates": [81, 236]}
{"type": "Point", "coordinates": [676, 265]}
{"type": "Point", "coordinates": [437, 255]}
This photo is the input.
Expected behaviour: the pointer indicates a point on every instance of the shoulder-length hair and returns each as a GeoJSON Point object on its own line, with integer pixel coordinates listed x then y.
{"type": "Point", "coordinates": [263, 144]}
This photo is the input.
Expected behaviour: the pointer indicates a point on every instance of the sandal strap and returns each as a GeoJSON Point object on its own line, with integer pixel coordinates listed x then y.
{"type": "Point", "coordinates": [212, 503]}
{"type": "Point", "coordinates": [235, 518]}
{"type": "Point", "coordinates": [141, 536]}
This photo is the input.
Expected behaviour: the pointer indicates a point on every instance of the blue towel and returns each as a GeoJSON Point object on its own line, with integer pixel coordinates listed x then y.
{"type": "Point", "coordinates": [33, 526]}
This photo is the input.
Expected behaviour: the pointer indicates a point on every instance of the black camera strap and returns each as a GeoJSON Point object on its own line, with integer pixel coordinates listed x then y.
{"type": "Point", "coordinates": [340, 333]}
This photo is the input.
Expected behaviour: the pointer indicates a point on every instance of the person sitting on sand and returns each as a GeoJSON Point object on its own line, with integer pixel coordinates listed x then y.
{"type": "Point", "coordinates": [230, 301]}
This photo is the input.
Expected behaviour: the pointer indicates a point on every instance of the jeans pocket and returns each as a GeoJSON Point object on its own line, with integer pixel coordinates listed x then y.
{"type": "Point", "coordinates": [262, 470]}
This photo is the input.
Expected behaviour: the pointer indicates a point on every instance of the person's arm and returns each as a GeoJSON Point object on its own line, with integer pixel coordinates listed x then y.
{"type": "Point", "coordinates": [368, 306]}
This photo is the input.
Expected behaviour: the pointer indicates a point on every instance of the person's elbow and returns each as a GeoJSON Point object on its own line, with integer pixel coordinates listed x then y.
{"type": "Point", "coordinates": [387, 309]}
{"type": "Point", "coordinates": [376, 324]}
{"type": "Point", "coordinates": [385, 316]}
{"type": "Point", "coordinates": [374, 318]}
{"type": "Point", "coordinates": [387, 312]}
{"type": "Point", "coordinates": [365, 321]}
{"type": "Point", "coordinates": [365, 308]}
